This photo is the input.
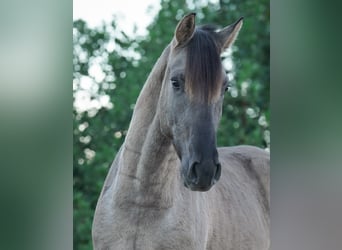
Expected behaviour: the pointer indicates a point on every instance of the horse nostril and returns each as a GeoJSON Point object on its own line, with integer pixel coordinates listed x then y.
{"type": "Point", "coordinates": [217, 172]}
{"type": "Point", "coordinates": [193, 175]}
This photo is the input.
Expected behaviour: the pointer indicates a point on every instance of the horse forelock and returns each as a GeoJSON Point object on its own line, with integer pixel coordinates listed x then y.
{"type": "Point", "coordinates": [203, 70]}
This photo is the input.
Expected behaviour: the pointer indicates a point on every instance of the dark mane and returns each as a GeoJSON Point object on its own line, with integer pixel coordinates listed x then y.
{"type": "Point", "coordinates": [203, 65]}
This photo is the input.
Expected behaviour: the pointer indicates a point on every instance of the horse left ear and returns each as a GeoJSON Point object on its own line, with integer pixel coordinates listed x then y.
{"type": "Point", "coordinates": [228, 34]}
{"type": "Point", "coordinates": [185, 29]}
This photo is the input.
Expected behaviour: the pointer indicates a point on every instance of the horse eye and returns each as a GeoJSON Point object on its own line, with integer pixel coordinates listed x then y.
{"type": "Point", "coordinates": [175, 84]}
{"type": "Point", "coordinates": [226, 86]}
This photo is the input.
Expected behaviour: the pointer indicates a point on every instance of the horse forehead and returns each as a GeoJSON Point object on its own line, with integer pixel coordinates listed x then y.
{"type": "Point", "coordinates": [178, 60]}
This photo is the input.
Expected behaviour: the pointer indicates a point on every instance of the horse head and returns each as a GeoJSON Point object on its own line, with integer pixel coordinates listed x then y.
{"type": "Point", "coordinates": [192, 96]}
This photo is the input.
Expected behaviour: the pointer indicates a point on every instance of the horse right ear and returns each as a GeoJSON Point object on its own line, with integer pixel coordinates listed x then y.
{"type": "Point", "coordinates": [228, 35]}
{"type": "Point", "coordinates": [185, 29]}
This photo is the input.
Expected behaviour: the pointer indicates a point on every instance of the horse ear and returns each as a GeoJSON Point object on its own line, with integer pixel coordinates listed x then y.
{"type": "Point", "coordinates": [185, 29]}
{"type": "Point", "coordinates": [228, 34]}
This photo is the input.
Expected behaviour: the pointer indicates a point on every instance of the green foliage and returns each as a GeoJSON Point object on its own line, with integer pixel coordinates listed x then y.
{"type": "Point", "coordinates": [125, 63]}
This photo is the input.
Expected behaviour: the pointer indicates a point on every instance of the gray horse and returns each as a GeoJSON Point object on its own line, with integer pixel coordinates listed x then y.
{"type": "Point", "coordinates": [169, 186]}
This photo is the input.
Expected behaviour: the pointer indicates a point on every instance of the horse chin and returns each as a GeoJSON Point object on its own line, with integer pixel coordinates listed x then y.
{"type": "Point", "coordinates": [200, 189]}
{"type": "Point", "coordinates": [197, 188]}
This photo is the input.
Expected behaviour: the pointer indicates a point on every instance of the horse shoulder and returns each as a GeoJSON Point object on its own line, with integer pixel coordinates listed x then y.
{"type": "Point", "coordinates": [102, 213]}
{"type": "Point", "coordinates": [112, 172]}
{"type": "Point", "coordinates": [255, 161]}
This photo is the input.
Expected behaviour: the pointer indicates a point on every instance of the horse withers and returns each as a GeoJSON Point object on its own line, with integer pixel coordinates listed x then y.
{"type": "Point", "coordinates": [169, 186]}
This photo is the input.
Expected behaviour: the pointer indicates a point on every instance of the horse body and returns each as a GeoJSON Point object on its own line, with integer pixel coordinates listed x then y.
{"type": "Point", "coordinates": [146, 202]}
{"type": "Point", "coordinates": [232, 215]}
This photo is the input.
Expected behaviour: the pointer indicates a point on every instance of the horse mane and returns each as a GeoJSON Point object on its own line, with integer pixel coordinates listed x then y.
{"type": "Point", "coordinates": [203, 70]}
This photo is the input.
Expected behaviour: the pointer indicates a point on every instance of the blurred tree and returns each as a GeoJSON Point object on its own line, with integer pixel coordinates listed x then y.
{"type": "Point", "coordinates": [111, 67]}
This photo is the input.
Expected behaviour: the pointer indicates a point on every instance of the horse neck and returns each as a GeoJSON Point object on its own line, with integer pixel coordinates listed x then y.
{"type": "Point", "coordinates": [144, 177]}
{"type": "Point", "coordinates": [146, 105]}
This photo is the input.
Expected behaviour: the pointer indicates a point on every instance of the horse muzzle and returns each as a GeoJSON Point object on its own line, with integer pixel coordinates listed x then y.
{"type": "Point", "coordinates": [201, 176]}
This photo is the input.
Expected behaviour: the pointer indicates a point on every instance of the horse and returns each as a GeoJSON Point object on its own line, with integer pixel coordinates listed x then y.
{"type": "Point", "coordinates": [170, 187]}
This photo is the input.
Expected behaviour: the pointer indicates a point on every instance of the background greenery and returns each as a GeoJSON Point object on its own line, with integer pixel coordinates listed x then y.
{"type": "Point", "coordinates": [125, 63]}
